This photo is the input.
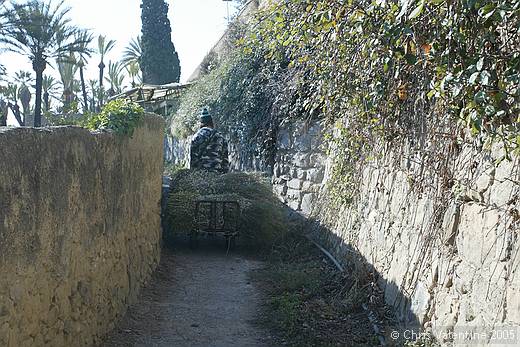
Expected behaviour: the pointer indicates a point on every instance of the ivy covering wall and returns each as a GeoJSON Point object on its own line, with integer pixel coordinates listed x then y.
{"type": "Point", "coordinates": [430, 73]}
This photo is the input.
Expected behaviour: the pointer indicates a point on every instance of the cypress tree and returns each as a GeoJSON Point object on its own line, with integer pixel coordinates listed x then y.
{"type": "Point", "coordinates": [159, 62]}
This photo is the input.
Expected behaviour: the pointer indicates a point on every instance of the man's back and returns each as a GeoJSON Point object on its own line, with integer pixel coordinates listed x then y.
{"type": "Point", "coordinates": [209, 151]}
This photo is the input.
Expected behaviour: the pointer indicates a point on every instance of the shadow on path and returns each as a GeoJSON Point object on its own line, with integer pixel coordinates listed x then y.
{"type": "Point", "coordinates": [195, 298]}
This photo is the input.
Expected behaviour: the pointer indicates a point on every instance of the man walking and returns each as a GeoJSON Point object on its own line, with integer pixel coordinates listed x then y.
{"type": "Point", "coordinates": [209, 149]}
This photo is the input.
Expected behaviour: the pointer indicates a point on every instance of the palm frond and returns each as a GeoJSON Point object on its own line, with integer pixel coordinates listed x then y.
{"type": "Point", "coordinates": [105, 46]}
{"type": "Point", "coordinates": [39, 30]}
{"type": "Point", "coordinates": [133, 52]}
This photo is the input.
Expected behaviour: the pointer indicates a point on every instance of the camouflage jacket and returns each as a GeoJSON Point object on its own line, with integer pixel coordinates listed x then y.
{"type": "Point", "coordinates": [209, 151]}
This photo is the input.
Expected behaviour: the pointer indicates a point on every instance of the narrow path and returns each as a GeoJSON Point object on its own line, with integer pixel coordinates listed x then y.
{"type": "Point", "coordinates": [196, 298]}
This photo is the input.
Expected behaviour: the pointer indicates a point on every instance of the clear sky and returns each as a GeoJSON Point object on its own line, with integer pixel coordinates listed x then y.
{"type": "Point", "coordinates": [196, 26]}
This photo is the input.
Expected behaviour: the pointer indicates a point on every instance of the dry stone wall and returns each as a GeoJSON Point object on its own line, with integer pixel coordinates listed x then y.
{"type": "Point", "coordinates": [79, 230]}
{"type": "Point", "coordinates": [446, 260]}
{"type": "Point", "coordinates": [299, 170]}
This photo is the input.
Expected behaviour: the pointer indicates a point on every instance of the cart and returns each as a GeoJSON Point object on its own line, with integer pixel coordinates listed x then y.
{"type": "Point", "coordinates": [214, 217]}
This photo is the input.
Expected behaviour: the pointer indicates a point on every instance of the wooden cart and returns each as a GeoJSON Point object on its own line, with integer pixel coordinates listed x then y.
{"type": "Point", "coordinates": [216, 217]}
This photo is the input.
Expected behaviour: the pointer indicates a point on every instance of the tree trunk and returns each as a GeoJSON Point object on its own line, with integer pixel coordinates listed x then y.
{"type": "Point", "coordinates": [46, 101]}
{"type": "Point", "coordinates": [93, 101]}
{"type": "Point", "coordinates": [83, 89]}
{"type": "Point", "coordinates": [39, 67]}
{"type": "Point", "coordinates": [3, 113]}
{"type": "Point", "coordinates": [100, 94]}
{"type": "Point", "coordinates": [16, 112]}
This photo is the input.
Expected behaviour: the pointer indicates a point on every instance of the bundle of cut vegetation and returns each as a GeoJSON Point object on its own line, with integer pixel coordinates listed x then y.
{"type": "Point", "coordinates": [263, 221]}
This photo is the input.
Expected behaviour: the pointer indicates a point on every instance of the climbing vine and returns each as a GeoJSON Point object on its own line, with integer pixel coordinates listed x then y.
{"type": "Point", "coordinates": [429, 73]}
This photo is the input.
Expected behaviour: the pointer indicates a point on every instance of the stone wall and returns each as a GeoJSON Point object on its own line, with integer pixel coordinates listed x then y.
{"type": "Point", "coordinates": [79, 230]}
{"type": "Point", "coordinates": [446, 260]}
{"type": "Point", "coordinates": [176, 151]}
{"type": "Point", "coordinates": [300, 166]}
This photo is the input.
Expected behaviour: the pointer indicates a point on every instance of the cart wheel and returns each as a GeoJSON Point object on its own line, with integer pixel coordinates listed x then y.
{"type": "Point", "coordinates": [194, 241]}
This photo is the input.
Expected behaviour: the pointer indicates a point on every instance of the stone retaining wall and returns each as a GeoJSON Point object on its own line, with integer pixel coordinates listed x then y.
{"type": "Point", "coordinates": [79, 230]}
{"type": "Point", "coordinates": [446, 260]}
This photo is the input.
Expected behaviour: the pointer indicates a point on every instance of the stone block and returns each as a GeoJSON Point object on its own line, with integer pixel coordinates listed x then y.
{"type": "Point", "coordinates": [317, 160]}
{"type": "Point", "coordinates": [280, 190]}
{"type": "Point", "coordinates": [420, 301]}
{"type": "Point", "coordinates": [478, 239]}
{"type": "Point", "coordinates": [295, 205]}
{"type": "Point", "coordinates": [295, 184]}
{"type": "Point", "coordinates": [301, 160]}
{"type": "Point", "coordinates": [284, 139]}
{"type": "Point", "coordinates": [301, 174]}
{"type": "Point", "coordinates": [307, 186]}
{"type": "Point", "coordinates": [316, 175]}
{"type": "Point", "coordinates": [307, 203]}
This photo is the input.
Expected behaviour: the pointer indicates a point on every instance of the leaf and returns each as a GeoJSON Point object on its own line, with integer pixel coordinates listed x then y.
{"type": "Point", "coordinates": [410, 59]}
{"type": "Point", "coordinates": [480, 97]}
{"type": "Point", "coordinates": [480, 64]}
{"type": "Point", "coordinates": [489, 110]}
{"type": "Point", "coordinates": [485, 76]}
{"type": "Point", "coordinates": [487, 11]}
{"type": "Point", "coordinates": [473, 77]}
{"type": "Point", "coordinates": [404, 8]}
{"type": "Point", "coordinates": [417, 11]}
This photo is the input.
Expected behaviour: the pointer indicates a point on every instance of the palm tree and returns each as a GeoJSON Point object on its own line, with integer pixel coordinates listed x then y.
{"type": "Point", "coordinates": [50, 88]}
{"type": "Point", "coordinates": [4, 107]}
{"type": "Point", "coordinates": [40, 31]}
{"type": "Point", "coordinates": [2, 70]}
{"type": "Point", "coordinates": [115, 77]}
{"type": "Point", "coordinates": [81, 60]}
{"type": "Point", "coordinates": [104, 47]}
{"type": "Point", "coordinates": [133, 72]}
{"type": "Point", "coordinates": [67, 67]}
{"type": "Point", "coordinates": [24, 79]}
{"type": "Point", "coordinates": [3, 112]}
{"type": "Point", "coordinates": [11, 94]}
{"type": "Point", "coordinates": [95, 91]}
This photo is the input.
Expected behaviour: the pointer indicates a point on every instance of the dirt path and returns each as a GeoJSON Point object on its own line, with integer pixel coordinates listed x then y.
{"type": "Point", "coordinates": [201, 298]}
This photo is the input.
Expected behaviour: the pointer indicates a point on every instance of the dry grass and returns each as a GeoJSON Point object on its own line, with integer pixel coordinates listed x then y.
{"type": "Point", "coordinates": [310, 303]}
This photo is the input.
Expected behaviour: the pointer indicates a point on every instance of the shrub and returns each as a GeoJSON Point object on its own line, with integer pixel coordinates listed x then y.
{"type": "Point", "coordinates": [263, 221]}
{"type": "Point", "coordinates": [121, 116]}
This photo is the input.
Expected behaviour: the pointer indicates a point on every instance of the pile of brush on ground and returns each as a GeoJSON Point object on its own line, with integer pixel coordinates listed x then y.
{"type": "Point", "coordinates": [262, 222]}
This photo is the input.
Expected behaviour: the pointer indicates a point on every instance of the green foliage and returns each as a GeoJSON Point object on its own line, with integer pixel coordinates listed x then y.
{"type": "Point", "coordinates": [67, 118]}
{"type": "Point", "coordinates": [263, 220]}
{"type": "Point", "coordinates": [429, 73]}
{"type": "Point", "coordinates": [159, 60]}
{"type": "Point", "coordinates": [121, 116]}
{"type": "Point", "coordinates": [379, 63]}
{"type": "Point", "coordinates": [240, 90]}
{"type": "Point", "coordinates": [52, 37]}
